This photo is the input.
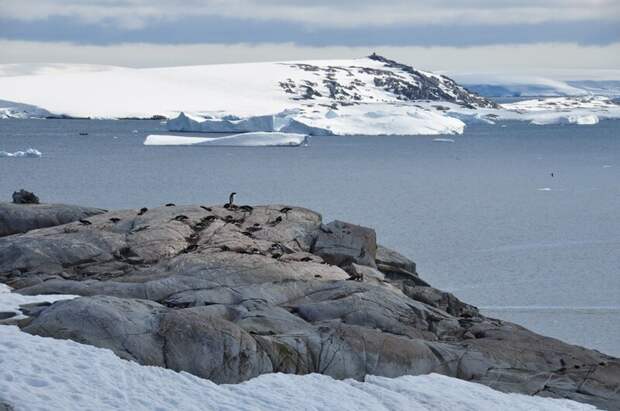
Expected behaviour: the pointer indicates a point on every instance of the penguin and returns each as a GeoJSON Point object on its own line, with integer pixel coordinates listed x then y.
{"type": "Point", "coordinates": [84, 222]}
{"type": "Point", "coordinates": [171, 205]}
{"type": "Point", "coordinates": [190, 248]}
{"type": "Point", "coordinates": [229, 219]}
{"type": "Point", "coordinates": [143, 210]}
{"type": "Point", "coordinates": [246, 208]}
{"type": "Point", "coordinates": [181, 217]}
{"type": "Point", "coordinates": [285, 210]}
{"type": "Point", "coordinates": [277, 221]}
{"type": "Point", "coordinates": [206, 208]}
{"type": "Point", "coordinates": [115, 220]}
{"type": "Point", "coordinates": [231, 201]}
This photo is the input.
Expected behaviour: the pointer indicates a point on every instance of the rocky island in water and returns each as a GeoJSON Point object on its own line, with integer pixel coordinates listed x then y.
{"type": "Point", "coordinates": [231, 292]}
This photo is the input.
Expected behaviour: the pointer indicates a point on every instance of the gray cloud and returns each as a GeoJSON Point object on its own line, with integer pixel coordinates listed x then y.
{"type": "Point", "coordinates": [534, 58]}
{"type": "Point", "coordinates": [135, 14]}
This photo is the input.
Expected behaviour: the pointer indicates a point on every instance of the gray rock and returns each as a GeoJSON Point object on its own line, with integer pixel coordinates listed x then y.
{"type": "Point", "coordinates": [388, 260]}
{"type": "Point", "coordinates": [229, 294]}
{"type": "Point", "coordinates": [21, 218]}
{"type": "Point", "coordinates": [25, 197]}
{"type": "Point", "coordinates": [342, 244]}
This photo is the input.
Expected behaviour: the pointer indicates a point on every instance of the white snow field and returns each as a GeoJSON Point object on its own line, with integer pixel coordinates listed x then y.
{"type": "Point", "coordinates": [10, 302]}
{"type": "Point", "coordinates": [256, 139]}
{"type": "Point", "coordinates": [30, 153]}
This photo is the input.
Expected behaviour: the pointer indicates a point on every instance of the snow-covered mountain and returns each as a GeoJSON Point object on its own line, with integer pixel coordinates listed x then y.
{"type": "Point", "coordinates": [371, 96]}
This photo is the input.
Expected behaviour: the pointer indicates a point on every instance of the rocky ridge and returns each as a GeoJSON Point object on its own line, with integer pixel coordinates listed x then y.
{"type": "Point", "coordinates": [232, 293]}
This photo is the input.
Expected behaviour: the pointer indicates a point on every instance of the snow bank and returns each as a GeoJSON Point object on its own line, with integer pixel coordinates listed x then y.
{"type": "Point", "coordinates": [31, 153]}
{"type": "Point", "coordinates": [10, 302]}
{"type": "Point", "coordinates": [258, 139]}
{"type": "Point", "coordinates": [47, 374]}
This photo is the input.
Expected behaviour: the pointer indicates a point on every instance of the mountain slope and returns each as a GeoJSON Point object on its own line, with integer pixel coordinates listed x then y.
{"type": "Point", "coordinates": [235, 89]}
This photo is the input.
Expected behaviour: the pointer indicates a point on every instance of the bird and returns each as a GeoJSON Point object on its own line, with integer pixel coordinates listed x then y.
{"type": "Point", "coordinates": [229, 218]}
{"type": "Point", "coordinates": [171, 205]}
{"type": "Point", "coordinates": [181, 217]}
{"type": "Point", "coordinates": [206, 208]}
{"type": "Point", "coordinates": [115, 220]}
{"type": "Point", "coordinates": [277, 221]}
{"type": "Point", "coordinates": [84, 222]}
{"type": "Point", "coordinates": [190, 248]}
{"type": "Point", "coordinates": [552, 175]}
{"type": "Point", "coordinates": [285, 210]}
{"type": "Point", "coordinates": [246, 208]}
{"type": "Point", "coordinates": [143, 210]}
{"type": "Point", "coordinates": [231, 200]}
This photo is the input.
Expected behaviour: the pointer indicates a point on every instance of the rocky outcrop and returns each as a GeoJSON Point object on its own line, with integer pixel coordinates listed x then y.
{"type": "Point", "coordinates": [231, 293]}
{"type": "Point", "coordinates": [25, 197]}
{"type": "Point", "coordinates": [22, 217]}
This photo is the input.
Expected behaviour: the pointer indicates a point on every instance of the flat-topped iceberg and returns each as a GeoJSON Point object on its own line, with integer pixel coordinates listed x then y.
{"type": "Point", "coordinates": [256, 139]}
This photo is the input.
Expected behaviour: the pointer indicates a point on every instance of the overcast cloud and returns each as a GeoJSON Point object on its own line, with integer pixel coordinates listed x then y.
{"type": "Point", "coordinates": [322, 13]}
{"type": "Point", "coordinates": [438, 33]}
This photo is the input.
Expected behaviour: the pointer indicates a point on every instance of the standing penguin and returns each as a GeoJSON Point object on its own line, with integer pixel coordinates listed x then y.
{"type": "Point", "coordinates": [231, 200]}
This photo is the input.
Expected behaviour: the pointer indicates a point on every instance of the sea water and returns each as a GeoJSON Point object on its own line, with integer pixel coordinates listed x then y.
{"type": "Point", "coordinates": [521, 220]}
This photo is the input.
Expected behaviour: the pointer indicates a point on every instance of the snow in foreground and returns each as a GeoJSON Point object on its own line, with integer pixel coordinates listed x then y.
{"type": "Point", "coordinates": [47, 374]}
{"type": "Point", "coordinates": [10, 302]}
{"type": "Point", "coordinates": [30, 153]}
{"type": "Point", "coordinates": [257, 139]}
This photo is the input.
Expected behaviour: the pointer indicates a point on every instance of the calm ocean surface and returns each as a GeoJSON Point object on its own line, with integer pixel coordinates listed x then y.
{"type": "Point", "coordinates": [482, 216]}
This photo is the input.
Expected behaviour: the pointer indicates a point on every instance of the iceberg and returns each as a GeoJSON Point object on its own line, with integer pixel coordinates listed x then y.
{"type": "Point", "coordinates": [366, 119]}
{"type": "Point", "coordinates": [256, 139]}
{"type": "Point", "coordinates": [30, 153]}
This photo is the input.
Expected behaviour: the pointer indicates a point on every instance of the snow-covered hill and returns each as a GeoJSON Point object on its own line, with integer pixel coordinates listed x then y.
{"type": "Point", "coordinates": [371, 96]}
{"type": "Point", "coordinates": [371, 88]}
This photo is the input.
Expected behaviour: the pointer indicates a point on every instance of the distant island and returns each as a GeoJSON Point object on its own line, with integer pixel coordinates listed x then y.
{"type": "Point", "coordinates": [366, 96]}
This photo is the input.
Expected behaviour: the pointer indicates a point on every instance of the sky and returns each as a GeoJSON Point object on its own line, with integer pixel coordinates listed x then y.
{"type": "Point", "coordinates": [453, 35]}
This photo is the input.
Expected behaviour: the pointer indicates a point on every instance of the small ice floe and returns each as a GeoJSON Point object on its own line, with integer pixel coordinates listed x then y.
{"type": "Point", "coordinates": [30, 153]}
{"type": "Point", "coordinates": [444, 140]}
{"type": "Point", "coordinates": [134, 131]}
{"type": "Point", "coordinates": [544, 189]}
{"type": "Point", "coordinates": [607, 166]}
{"type": "Point", "coordinates": [257, 139]}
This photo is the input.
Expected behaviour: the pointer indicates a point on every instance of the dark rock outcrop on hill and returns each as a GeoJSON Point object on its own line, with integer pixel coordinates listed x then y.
{"type": "Point", "coordinates": [228, 294]}
{"type": "Point", "coordinates": [25, 197]}
{"type": "Point", "coordinates": [22, 217]}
